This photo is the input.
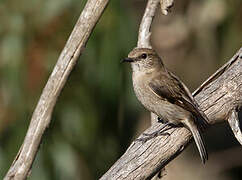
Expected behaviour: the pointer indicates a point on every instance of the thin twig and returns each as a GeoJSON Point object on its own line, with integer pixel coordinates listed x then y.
{"type": "Point", "coordinates": [145, 25]}
{"type": "Point", "coordinates": [144, 29]}
{"type": "Point", "coordinates": [90, 15]}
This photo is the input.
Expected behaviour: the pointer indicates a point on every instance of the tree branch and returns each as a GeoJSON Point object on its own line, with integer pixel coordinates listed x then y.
{"type": "Point", "coordinates": [90, 15]}
{"type": "Point", "coordinates": [144, 29]}
{"type": "Point", "coordinates": [217, 98]}
{"type": "Point", "coordinates": [145, 25]}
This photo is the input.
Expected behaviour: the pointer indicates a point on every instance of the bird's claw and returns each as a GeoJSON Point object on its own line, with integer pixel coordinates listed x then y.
{"type": "Point", "coordinates": [152, 135]}
{"type": "Point", "coordinates": [159, 120]}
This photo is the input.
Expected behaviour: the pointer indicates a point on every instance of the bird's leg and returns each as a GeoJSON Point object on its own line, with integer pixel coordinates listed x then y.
{"type": "Point", "coordinates": [159, 132]}
{"type": "Point", "coordinates": [159, 120]}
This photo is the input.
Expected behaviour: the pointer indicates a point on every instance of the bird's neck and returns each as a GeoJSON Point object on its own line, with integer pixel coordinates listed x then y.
{"type": "Point", "coordinates": [145, 73]}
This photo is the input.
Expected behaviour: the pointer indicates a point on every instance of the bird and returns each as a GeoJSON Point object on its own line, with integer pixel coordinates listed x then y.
{"type": "Point", "coordinates": [164, 94]}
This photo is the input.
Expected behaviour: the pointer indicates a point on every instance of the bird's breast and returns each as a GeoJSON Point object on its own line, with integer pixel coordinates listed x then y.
{"type": "Point", "coordinates": [144, 93]}
{"type": "Point", "coordinates": [158, 105]}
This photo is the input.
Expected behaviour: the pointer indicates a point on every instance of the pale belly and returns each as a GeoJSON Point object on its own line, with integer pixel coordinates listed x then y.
{"type": "Point", "coordinates": [165, 110]}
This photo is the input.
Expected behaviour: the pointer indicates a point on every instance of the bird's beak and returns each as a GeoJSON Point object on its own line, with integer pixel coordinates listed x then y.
{"type": "Point", "coordinates": [127, 60]}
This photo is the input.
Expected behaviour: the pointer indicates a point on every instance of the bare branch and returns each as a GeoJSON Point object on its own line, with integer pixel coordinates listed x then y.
{"type": "Point", "coordinates": [217, 99]}
{"type": "Point", "coordinates": [144, 29]}
{"type": "Point", "coordinates": [43, 111]}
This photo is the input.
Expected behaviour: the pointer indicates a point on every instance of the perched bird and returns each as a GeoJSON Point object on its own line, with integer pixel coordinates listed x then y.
{"type": "Point", "coordinates": [162, 93]}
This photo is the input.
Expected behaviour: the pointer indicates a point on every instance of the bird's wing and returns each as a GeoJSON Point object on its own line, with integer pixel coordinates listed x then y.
{"type": "Point", "coordinates": [169, 87]}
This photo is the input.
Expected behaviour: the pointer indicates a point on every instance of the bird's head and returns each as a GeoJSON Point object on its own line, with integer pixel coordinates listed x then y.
{"type": "Point", "coordinates": [143, 59]}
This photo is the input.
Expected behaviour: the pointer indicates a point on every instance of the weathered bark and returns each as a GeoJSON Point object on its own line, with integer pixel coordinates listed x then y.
{"type": "Point", "coordinates": [90, 15]}
{"type": "Point", "coordinates": [218, 97]}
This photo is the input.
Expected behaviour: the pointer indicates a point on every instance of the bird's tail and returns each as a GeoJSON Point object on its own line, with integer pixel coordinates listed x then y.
{"type": "Point", "coordinates": [198, 140]}
{"type": "Point", "coordinates": [202, 120]}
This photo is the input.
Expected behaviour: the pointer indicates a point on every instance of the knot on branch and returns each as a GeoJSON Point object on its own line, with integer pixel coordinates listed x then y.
{"type": "Point", "coordinates": [166, 5]}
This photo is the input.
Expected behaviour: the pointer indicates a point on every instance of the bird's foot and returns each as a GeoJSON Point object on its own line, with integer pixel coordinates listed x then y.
{"type": "Point", "coordinates": [159, 120]}
{"type": "Point", "coordinates": [160, 132]}
{"type": "Point", "coordinates": [152, 135]}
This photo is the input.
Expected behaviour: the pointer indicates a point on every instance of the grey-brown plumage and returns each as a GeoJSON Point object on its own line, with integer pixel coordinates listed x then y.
{"type": "Point", "coordinates": [162, 93]}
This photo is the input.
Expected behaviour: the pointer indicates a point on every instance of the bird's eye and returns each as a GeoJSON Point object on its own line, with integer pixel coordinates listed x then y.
{"type": "Point", "coordinates": [144, 56]}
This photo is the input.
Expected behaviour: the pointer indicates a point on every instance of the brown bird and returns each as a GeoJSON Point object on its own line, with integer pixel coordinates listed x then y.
{"type": "Point", "coordinates": [162, 93]}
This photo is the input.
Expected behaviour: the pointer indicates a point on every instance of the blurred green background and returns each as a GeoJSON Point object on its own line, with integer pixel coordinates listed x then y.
{"type": "Point", "coordinates": [97, 114]}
